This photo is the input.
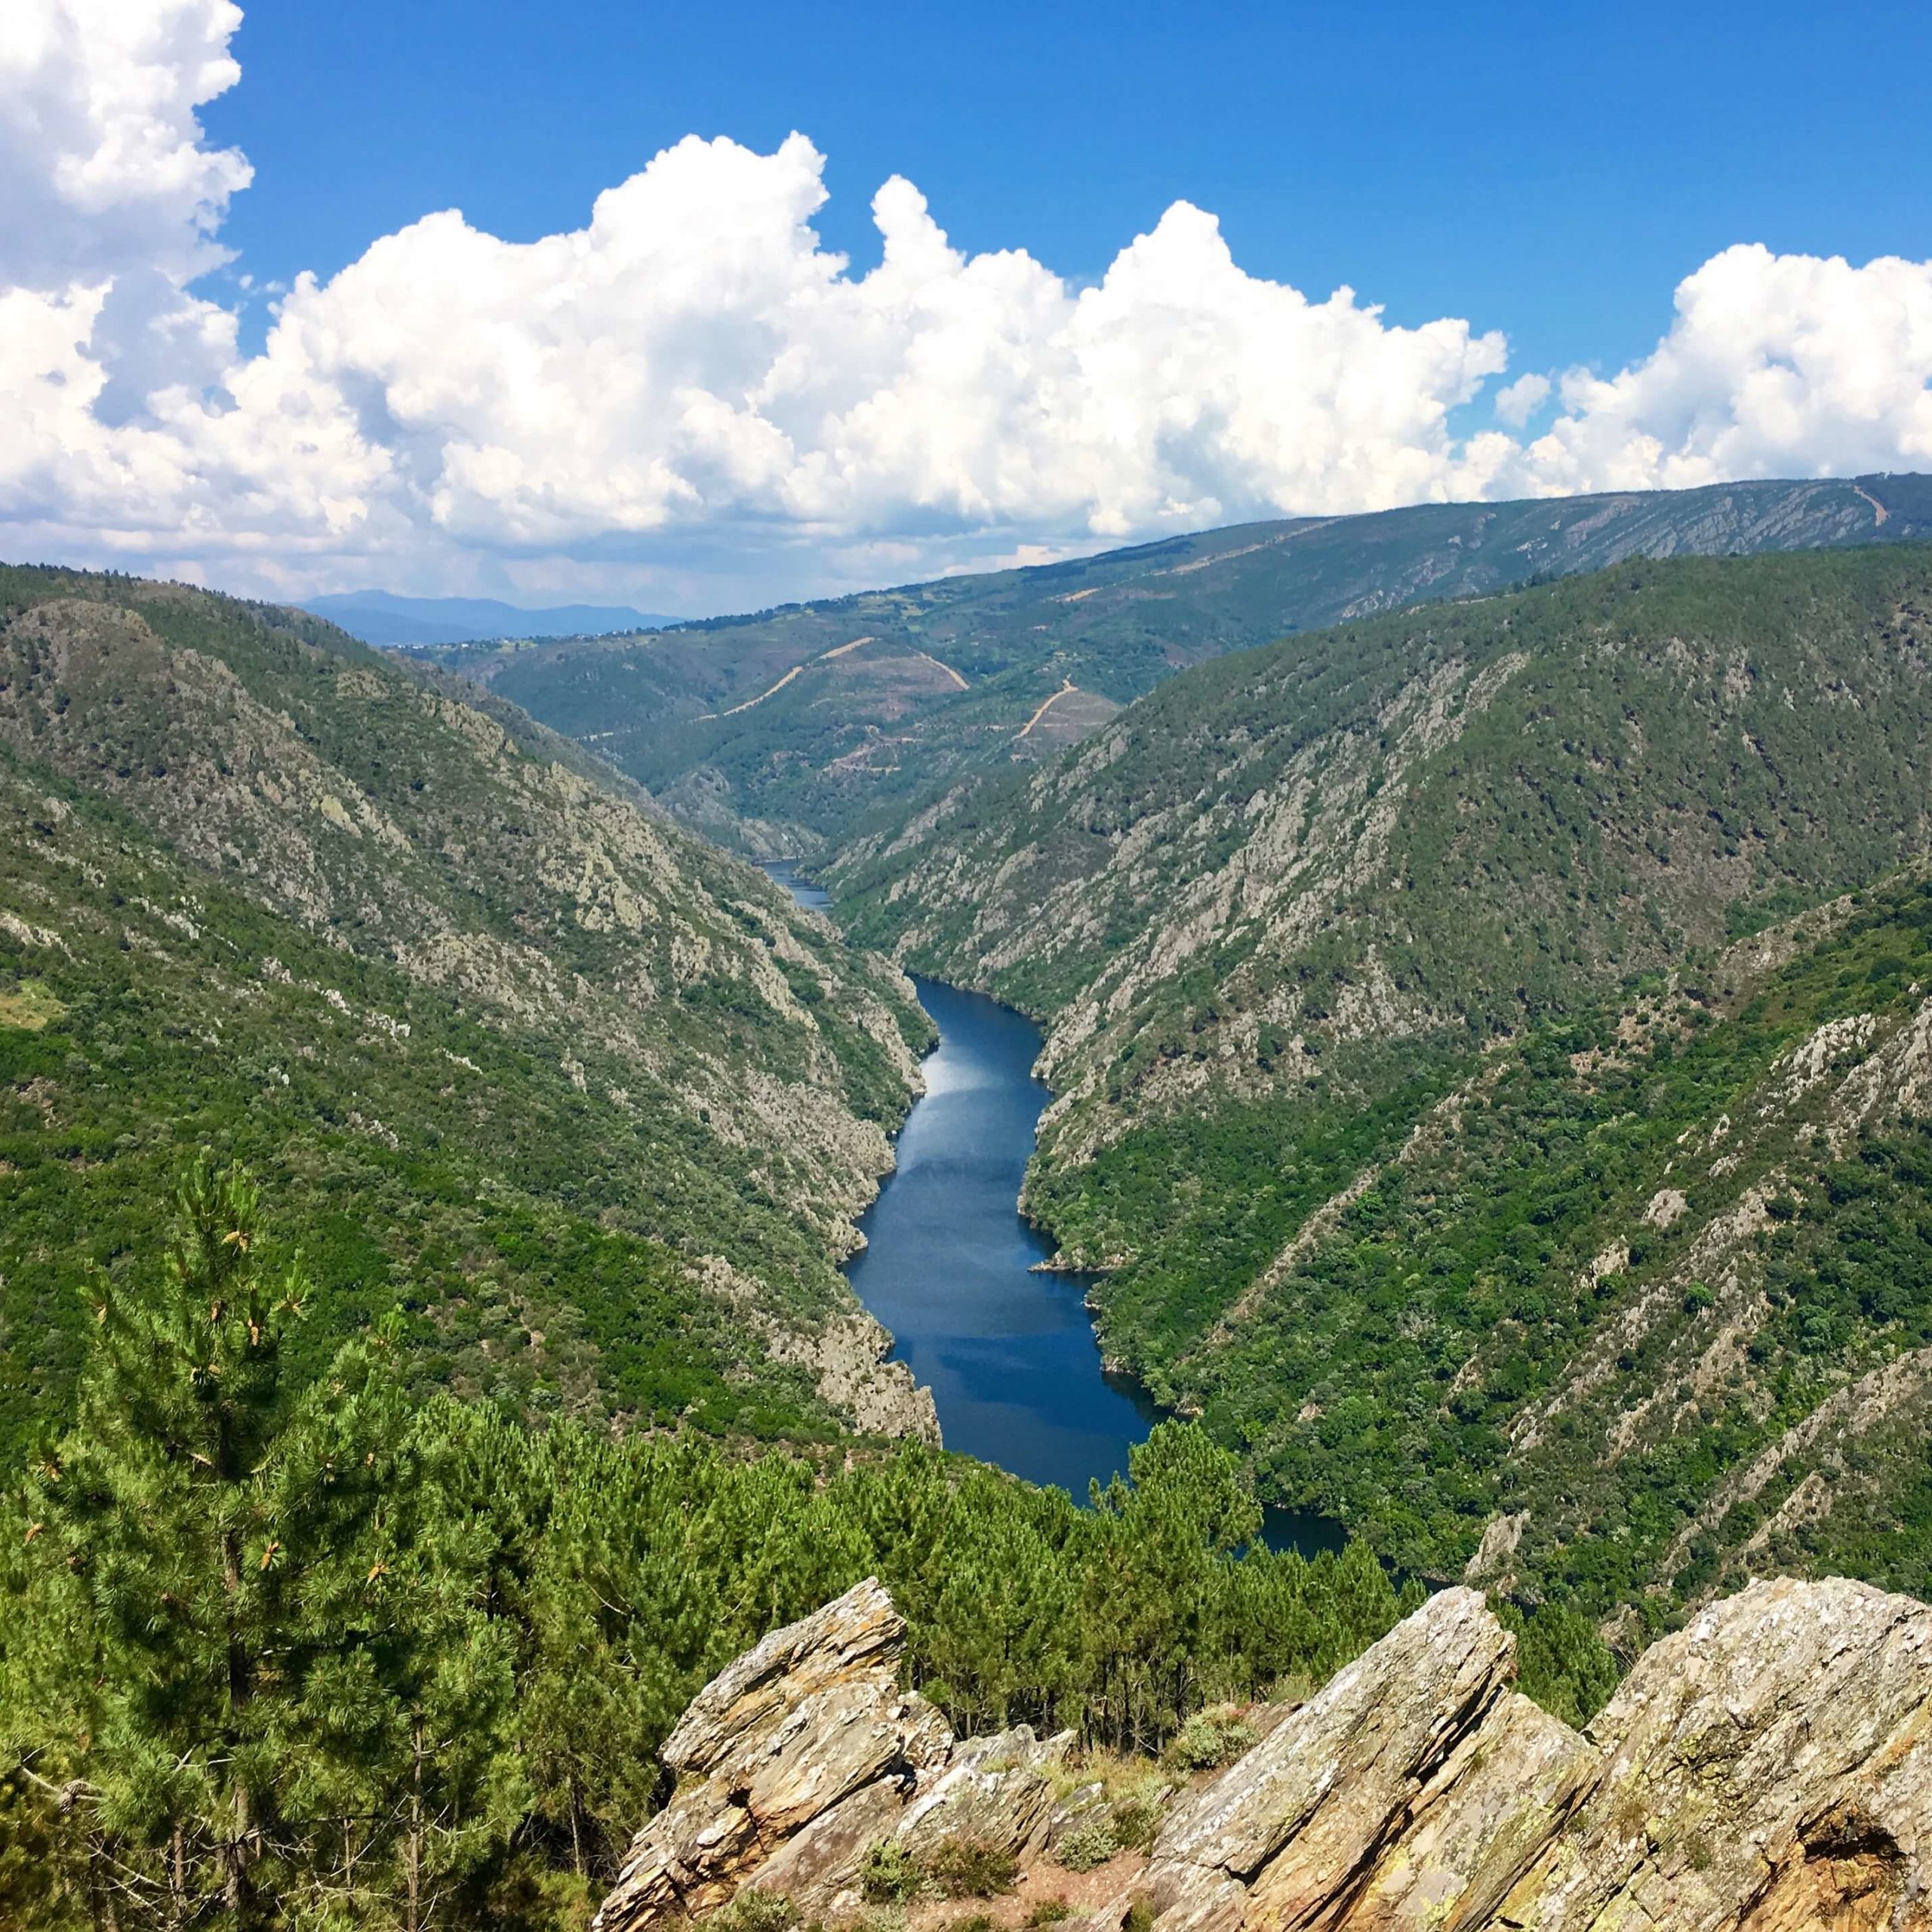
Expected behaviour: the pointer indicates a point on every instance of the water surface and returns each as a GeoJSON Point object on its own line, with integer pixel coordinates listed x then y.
{"type": "Point", "coordinates": [949, 1267]}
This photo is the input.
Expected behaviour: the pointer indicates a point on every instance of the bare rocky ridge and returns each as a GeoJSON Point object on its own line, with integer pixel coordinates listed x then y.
{"type": "Point", "coordinates": [1765, 1769]}
{"type": "Point", "coordinates": [783, 732]}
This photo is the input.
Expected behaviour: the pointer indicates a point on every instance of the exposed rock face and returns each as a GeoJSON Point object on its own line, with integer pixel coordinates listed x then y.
{"type": "Point", "coordinates": [1768, 1767]}
{"type": "Point", "coordinates": [797, 1759]}
{"type": "Point", "coordinates": [1312, 1805]}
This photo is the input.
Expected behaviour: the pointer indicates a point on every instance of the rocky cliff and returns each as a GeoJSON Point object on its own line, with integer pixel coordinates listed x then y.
{"type": "Point", "coordinates": [794, 1762]}
{"type": "Point", "coordinates": [1766, 1768]}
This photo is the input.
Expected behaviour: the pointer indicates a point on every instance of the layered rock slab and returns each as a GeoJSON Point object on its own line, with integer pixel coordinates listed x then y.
{"type": "Point", "coordinates": [1768, 1768]}
{"type": "Point", "coordinates": [795, 1761]}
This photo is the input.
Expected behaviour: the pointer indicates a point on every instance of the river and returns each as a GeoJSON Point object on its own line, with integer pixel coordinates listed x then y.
{"type": "Point", "coordinates": [950, 1266]}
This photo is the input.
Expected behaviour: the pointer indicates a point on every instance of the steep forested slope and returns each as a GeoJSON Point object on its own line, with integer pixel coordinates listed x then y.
{"type": "Point", "coordinates": [1408, 1090]}
{"type": "Point", "coordinates": [593, 1101]}
{"type": "Point", "coordinates": [782, 731]}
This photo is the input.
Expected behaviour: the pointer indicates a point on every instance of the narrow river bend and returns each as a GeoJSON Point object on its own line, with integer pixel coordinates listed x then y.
{"type": "Point", "coordinates": [1010, 1354]}
{"type": "Point", "coordinates": [949, 1267]}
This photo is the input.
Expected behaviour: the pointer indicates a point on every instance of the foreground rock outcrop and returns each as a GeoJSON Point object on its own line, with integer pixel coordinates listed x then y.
{"type": "Point", "coordinates": [1768, 1768]}
{"type": "Point", "coordinates": [795, 1761]}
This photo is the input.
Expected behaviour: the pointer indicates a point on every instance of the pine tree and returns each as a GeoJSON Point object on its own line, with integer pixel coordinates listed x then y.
{"type": "Point", "coordinates": [156, 1519]}
{"type": "Point", "coordinates": [252, 1649]}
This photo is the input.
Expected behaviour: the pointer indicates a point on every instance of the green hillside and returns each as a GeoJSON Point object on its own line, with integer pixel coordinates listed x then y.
{"type": "Point", "coordinates": [592, 1102]}
{"type": "Point", "coordinates": [1389, 970]}
{"type": "Point", "coordinates": [783, 732]}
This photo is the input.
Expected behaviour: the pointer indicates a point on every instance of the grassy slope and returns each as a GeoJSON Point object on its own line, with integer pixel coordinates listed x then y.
{"type": "Point", "coordinates": [1306, 908]}
{"type": "Point", "coordinates": [872, 728]}
{"type": "Point", "coordinates": [523, 1051]}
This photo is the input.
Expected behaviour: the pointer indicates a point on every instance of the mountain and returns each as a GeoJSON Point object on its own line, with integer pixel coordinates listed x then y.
{"type": "Point", "coordinates": [380, 617]}
{"type": "Point", "coordinates": [783, 733]}
{"type": "Point", "coordinates": [592, 1101]}
{"type": "Point", "coordinates": [1468, 1122]}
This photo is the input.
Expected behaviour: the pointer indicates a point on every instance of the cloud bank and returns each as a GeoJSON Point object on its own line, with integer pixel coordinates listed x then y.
{"type": "Point", "coordinates": [691, 390]}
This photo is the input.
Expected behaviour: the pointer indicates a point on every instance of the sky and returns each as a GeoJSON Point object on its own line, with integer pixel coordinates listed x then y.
{"type": "Point", "coordinates": [704, 309]}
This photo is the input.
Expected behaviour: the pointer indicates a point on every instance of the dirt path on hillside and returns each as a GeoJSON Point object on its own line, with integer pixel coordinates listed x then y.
{"type": "Point", "coordinates": [823, 657]}
{"type": "Point", "coordinates": [1046, 706]}
{"type": "Point", "coordinates": [1881, 514]}
{"type": "Point", "coordinates": [946, 668]}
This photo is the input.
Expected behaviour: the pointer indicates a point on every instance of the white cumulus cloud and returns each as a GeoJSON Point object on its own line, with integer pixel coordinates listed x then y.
{"type": "Point", "coordinates": [1774, 365]}
{"type": "Point", "coordinates": [1516, 402]}
{"type": "Point", "coordinates": [691, 390]}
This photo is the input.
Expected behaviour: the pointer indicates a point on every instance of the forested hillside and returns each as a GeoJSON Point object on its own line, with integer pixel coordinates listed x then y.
{"type": "Point", "coordinates": [1450, 1143]}
{"type": "Point", "coordinates": [783, 732]}
{"type": "Point", "coordinates": [279, 1650]}
{"type": "Point", "coordinates": [593, 1103]}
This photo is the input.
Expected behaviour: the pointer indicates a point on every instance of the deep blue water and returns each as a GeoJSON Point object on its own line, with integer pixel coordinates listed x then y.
{"type": "Point", "coordinates": [1010, 1354]}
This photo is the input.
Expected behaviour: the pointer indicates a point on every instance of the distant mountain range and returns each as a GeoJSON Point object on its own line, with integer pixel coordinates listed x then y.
{"type": "Point", "coordinates": [380, 617]}
{"type": "Point", "coordinates": [782, 734]}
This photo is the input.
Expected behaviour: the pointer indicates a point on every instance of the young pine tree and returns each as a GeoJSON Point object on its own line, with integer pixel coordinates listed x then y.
{"type": "Point", "coordinates": [245, 1661]}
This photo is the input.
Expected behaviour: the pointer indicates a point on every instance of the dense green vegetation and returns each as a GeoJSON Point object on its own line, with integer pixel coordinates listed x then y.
{"type": "Point", "coordinates": [528, 1232]}
{"type": "Point", "coordinates": [281, 1650]}
{"type": "Point", "coordinates": [517, 1057]}
{"type": "Point", "coordinates": [865, 734]}
{"type": "Point", "coordinates": [1388, 1374]}
{"type": "Point", "coordinates": [1425, 1128]}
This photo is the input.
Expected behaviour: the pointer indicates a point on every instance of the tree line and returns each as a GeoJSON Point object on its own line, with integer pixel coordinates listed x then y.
{"type": "Point", "coordinates": [279, 1651]}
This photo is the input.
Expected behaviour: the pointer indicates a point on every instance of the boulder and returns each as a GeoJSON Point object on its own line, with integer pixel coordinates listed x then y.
{"type": "Point", "coordinates": [1768, 1767]}
{"type": "Point", "coordinates": [809, 1717]}
{"type": "Point", "coordinates": [797, 1759]}
{"type": "Point", "coordinates": [1301, 1815]}
{"type": "Point", "coordinates": [996, 1791]}
{"type": "Point", "coordinates": [1489, 1810]}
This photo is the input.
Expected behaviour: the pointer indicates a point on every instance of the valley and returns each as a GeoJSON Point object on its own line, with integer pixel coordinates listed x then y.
{"type": "Point", "coordinates": [1483, 1086]}
{"type": "Point", "coordinates": [1395, 978]}
{"type": "Point", "coordinates": [964, 969]}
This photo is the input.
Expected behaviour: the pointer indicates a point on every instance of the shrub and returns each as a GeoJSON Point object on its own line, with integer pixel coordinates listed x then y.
{"type": "Point", "coordinates": [1091, 1842]}
{"type": "Point", "coordinates": [1209, 1739]}
{"type": "Point", "coordinates": [1136, 1819]}
{"type": "Point", "coordinates": [1047, 1912]}
{"type": "Point", "coordinates": [972, 1869]}
{"type": "Point", "coordinates": [749, 1910]}
{"type": "Point", "coordinates": [1139, 1916]}
{"type": "Point", "coordinates": [890, 1875]}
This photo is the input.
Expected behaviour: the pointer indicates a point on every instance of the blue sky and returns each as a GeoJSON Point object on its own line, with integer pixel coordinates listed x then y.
{"type": "Point", "coordinates": [1549, 171]}
{"type": "Point", "coordinates": [747, 302]}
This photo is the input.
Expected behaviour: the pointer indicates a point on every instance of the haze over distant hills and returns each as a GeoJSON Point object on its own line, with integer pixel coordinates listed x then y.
{"type": "Point", "coordinates": [381, 617]}
{"type": "Point", "coordinates": [781, 733]}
